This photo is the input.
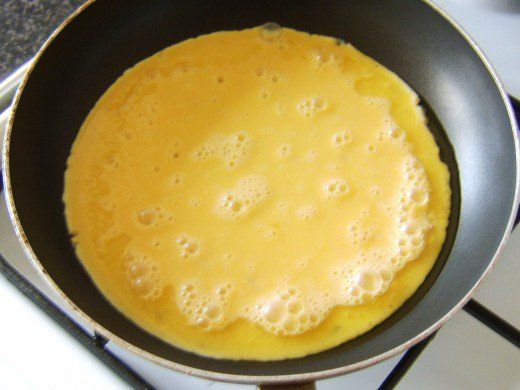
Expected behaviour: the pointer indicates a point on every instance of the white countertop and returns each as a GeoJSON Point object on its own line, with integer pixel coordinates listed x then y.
{"type": "Point", "coordinates": [35, 353]}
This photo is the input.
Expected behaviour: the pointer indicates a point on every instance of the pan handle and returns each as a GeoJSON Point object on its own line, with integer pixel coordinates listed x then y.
{"type": "Point", "coordinates": [290, 386]}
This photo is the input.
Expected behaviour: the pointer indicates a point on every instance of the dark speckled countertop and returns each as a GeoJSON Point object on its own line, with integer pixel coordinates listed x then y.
{"type": "Point", "coordinates": [25, 25]}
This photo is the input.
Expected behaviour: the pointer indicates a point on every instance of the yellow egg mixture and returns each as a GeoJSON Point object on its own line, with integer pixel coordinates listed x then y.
{"type": "Point", "coordinates": [259, 194]}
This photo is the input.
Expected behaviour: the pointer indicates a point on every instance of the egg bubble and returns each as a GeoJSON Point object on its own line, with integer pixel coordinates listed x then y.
{"type": "Point", "coordinates": [274, 312]}
{"type": "Point", "coordinates": [290, 325]}
{"type": "Point", "coordinates": [311, 156]}
{"type": "Point", "coordinates": [188, 246]}
{"type": "Point", "coordinates": [223, 290]}
{"type": "Point", "coordinates": [249, 192]}
{"type": "Point", "coordinates": [147, 217]}
{"type": "Point", "coordinates": [213, 311]}
{"type": "Point", "coordinates": [270, 32]}
{"type": "Point", "coordinates": [283, 150]}
{"type": "Point", "coordinates": [142, 275]}
{"type": "Point", "coordinates": [194, 202]}
{"type": "Point", "coordinates": [177, 179]}
{"type": "Point", "coordinates": [306, 212]}
{"type": "Point", "coordinates": [138, 269]}
{"type": "Point", "coordinates": [231, 150]}
{"type": "Point", "coordinates": [417, 241]}
{"type": "Point", "coordinates": [379, 102]}
{"type": "Point", "coordinates": [386, 275]}
{"type": "Point", "coordinates": [341, 139]}
{"type": "Point", "coordinates": [322, 57]}
{"type": "Point", "coordinates": [335, 189]}
{"type": "Point", "coordinates": [355, 291]}
{"type": "Point", "coordinates": [375, 191]}
{"type": "Point", "coordinates": [312, 106]}
{"type": "Point", "coordinates": [369, 280]}
{"type": "Point", "coordinates": [282, 205]}
{"type": "Point", "coordinates": [271, 233]}
{"type": "Point", "coordinates": [207, 311]}
{"type": "Point", "coordinates": [144, 286]}
{"type": "Point", "coordinates": [366, 234]}
{"type": "Point", "coordinates": [396, 133]}
{"type": "Point", "coordinates": [294, 307]}
{"type": "Point", "coordinates": [419, 195]}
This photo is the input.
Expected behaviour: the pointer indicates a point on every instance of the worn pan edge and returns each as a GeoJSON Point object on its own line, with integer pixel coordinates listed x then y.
{"type": "Point", "coordinates": [251, 379]}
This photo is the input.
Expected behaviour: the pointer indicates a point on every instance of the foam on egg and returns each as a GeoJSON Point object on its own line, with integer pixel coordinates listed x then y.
{"type": "Point", "coordinates": [147, 217]}
{"type": "Point", "coordinates": [205, 310]}
{"type": "Point", "coordinates": [250, 184]}
{"type": "Point", "coordinates": [283, 150]}
{"type": "Point", "coordinates": [335, 189]}
{"type": "Point", "coordinates": [142, 275]}
{"type": "Point", "coordinates": [270, 32]}
{"type": "Point", "coordinates": [312, 106]}
{"type": "Point", "coordinates": [188, 246]}
{"type": "Point", "coordinates": [341, 138]}
{"type": "Point", "coordinates": [285, 313]}
{"type": "Point", "coordinates": [249, 192]}
{"type": "Point", "coordinates": [356, 280]}
{"type": "Point", "coordinates": [231, 150]}
{"type": "Point", "coordinates": [306, 212]}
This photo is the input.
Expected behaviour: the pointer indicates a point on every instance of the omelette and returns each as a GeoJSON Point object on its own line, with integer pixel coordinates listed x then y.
{"type": "Point", "coordinates": [260, 194]}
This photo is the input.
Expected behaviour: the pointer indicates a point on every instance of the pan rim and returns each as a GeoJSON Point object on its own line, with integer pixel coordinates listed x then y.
{"type": "Point", "coordinates": [240, 378]}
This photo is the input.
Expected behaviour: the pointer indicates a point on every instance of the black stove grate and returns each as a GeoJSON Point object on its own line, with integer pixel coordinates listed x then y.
{"type": "Point", "coordinates": [96, 344]}
{"type": "Point", "coordinates": [494, 322]}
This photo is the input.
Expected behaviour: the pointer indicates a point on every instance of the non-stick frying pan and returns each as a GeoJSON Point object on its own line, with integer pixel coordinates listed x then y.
{"type": "Point", "coordinates": [466, 106]}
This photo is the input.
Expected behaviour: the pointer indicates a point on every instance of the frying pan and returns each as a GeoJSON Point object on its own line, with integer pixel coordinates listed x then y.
{"type": "Point", "coordinates": [467, 109]}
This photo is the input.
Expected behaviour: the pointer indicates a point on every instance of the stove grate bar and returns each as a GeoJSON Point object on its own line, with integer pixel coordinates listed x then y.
{"type": "Point", "coordinates": [402, 367]}
{"type": "Point", "coordinates": [494, 322]}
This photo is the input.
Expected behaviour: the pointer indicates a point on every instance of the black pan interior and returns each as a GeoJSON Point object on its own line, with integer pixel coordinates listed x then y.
{"type": "Point", "coordinates": [408, 37]}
